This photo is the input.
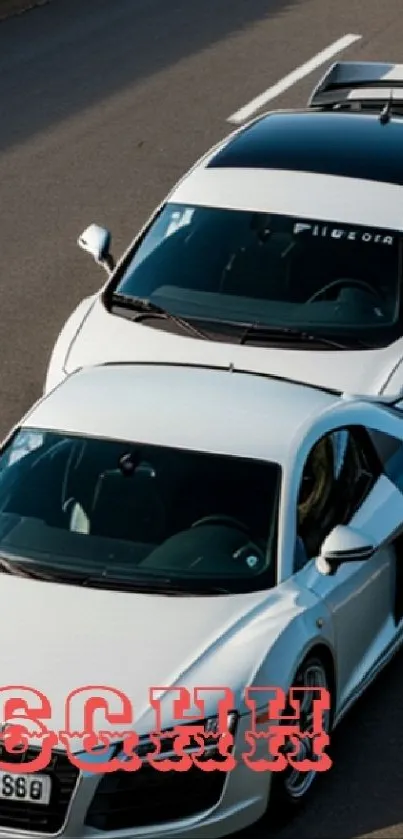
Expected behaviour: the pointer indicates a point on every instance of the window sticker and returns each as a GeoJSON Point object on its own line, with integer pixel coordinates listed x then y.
{"type": "Point", "coordinates": [179, 219]}
{"type": "Point", "coordinates": [329, 231]}
{"type": "Point", "coordinates": [27, 442]}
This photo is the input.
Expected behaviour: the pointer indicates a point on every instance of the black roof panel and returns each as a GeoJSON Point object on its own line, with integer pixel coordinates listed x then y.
{"type": "Point", "coordinates": [353, 145]}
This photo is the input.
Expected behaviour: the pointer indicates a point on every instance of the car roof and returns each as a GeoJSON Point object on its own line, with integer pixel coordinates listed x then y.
{"type": "Point", "coordinates": [200, 408]}
{"type": "Point", "coordinates": [349, 144]}
{"type": "Point", "coordinates": [333, 166]}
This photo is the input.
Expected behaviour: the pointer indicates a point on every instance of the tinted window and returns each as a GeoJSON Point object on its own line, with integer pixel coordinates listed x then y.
{"type": "Point", "coordinates": [138, 513]}
{"type": "Point", "coordinates": [339, 473]}
{"type": "Point", "coordinates": [390, 453]}
{"type": "Point", "coordinates": [243, 267]}
{"type": "Point", "coordinates": [343, 144]}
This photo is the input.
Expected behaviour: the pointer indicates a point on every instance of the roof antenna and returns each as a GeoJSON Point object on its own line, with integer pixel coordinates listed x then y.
{"type": "Point", "coordinates": [385, 113]}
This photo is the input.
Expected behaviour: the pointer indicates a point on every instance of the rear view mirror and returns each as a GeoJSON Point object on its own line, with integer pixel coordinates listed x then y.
{"type": "Point", "coordinates": [96, 240]}
{"type": "Point", "coordinates": [344, 544]}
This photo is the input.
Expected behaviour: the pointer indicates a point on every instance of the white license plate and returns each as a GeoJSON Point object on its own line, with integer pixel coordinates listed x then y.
{"type": "Point", "coordinates": [33, 789]}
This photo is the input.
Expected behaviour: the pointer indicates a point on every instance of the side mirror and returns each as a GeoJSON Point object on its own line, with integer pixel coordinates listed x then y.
{"type": "Point", "coordinates": [344, 544]}
{"type": "Point", "coordinates": [96, 240]}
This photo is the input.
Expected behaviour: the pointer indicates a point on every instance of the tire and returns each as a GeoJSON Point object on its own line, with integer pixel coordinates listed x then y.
{"type": "Point", "coordinates": [291, 789]}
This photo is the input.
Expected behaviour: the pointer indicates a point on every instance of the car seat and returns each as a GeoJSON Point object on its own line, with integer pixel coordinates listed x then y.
{"type": "Point", "coordinates": [123, 507]}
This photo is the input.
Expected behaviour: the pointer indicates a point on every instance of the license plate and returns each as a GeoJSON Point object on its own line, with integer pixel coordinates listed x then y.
{"type": "Point", "coordinates": [33, 789]}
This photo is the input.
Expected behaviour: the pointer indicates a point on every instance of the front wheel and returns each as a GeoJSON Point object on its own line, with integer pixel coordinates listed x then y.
{"type": "Point", "coordinates": [292, 787]}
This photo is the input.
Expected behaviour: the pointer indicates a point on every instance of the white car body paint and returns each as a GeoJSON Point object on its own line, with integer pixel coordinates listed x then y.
{"type": "Point", "coordinates": [355, 371]}
{"type": "Point", "coordinates": [299, 194]}
{"type": "Point", "coordinates": [258, 639]}
{"type": "Point", "coordinates": [101, 337]}
{"type": "Point", "coordinates": [65, 339]}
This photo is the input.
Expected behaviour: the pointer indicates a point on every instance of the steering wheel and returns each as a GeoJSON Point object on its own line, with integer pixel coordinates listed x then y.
{"type": "Point", "coordinates": [350, 283]}
{"type": "Point", "coordinates": [226, 520]}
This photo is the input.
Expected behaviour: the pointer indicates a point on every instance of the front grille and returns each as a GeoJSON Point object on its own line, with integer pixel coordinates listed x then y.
{"type": "Point", "coordinates": [37, 817]}
{"type": "Point", "coordinates": [126, 800]}
{"type": "Point", "coordinates": [147, 797]}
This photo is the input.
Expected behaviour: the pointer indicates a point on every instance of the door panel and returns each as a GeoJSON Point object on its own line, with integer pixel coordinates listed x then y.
{"type": "Point", "coordinates": [359, 598]}
{"type": "Point", "coordinates": [398, 580]}
{"type": "Point", "coordinates": [361, 595]}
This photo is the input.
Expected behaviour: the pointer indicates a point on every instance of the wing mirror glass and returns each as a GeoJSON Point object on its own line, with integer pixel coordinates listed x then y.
{"type": "Point", "coordinates": [96, 240]}
{"type": "Point", "coordinates": [344, 544]}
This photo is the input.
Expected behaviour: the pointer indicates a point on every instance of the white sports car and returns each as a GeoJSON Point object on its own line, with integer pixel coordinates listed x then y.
{"type": "Point", "coordinates": [281, 250]}
{"type": "Point", "coordinates": [179, 527]}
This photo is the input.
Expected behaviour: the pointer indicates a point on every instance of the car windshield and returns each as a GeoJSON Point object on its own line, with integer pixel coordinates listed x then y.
{"type": "Point", "coordinates": [238, 268]}
{"type": "Point", "coordinates": [138, 517]}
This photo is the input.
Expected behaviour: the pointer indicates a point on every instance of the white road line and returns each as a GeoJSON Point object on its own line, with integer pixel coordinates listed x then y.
{"type": "Point", "coordinates": [245, 113]}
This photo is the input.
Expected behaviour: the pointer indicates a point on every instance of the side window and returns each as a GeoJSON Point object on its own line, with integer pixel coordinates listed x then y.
{"type": "Point", "coordinates": [339, 473]}
{"type": "Point", "coordinates": [359, 472]}
{"type": "Point", "coordinates": [390, 453]}
{"type": "Point", "coordinates": [315, 502]}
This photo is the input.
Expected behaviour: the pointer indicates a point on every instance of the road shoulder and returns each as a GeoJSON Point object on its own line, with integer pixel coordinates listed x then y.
{"type": "Point", "coordinates": [9, 8]}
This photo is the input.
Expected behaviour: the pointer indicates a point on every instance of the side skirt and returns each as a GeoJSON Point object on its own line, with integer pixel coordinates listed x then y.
{"type": "Point", "coordinates": [371, 676]}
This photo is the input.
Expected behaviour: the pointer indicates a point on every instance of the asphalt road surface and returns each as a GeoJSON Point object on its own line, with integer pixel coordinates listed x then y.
{"type": "Point", "coordinates": [103, 104]}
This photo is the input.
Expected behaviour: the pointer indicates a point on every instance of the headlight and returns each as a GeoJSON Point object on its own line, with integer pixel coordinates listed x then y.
{"type": "Point", "coordinates": [161, 746]}
{"type": "Point", "coordinates": [200, 742]}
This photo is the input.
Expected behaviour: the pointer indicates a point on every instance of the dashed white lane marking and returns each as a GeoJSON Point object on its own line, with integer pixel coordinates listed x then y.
{"type": "Point", "coordinates": [275, 90]}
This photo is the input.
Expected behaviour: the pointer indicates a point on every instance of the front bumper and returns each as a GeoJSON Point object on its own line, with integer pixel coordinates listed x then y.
{"type": "Point", "coordinates": [215, 804]}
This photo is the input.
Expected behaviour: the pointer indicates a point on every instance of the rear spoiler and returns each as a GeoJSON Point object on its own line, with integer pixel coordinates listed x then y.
{"type": "Point", "coordinates": [366, 82]}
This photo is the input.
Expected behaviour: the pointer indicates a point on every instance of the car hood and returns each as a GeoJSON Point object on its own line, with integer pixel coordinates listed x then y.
{"type": "Point", "coordinates": [59, 637]}
{"type": "Point", "coordinates": [109, 338]}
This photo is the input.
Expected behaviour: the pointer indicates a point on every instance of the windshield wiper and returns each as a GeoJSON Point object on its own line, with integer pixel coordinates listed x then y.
{"type": "Point", "coordinates": [143, 308]}
{"type": "Point", "coordinates": [14, 569]}
{"type": "Point", "coordinates": [22, 567]}
{"type": "Point", "coordinates": [159, 585]}
{"type": "Point", "coordinates": [266, 333]}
